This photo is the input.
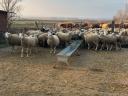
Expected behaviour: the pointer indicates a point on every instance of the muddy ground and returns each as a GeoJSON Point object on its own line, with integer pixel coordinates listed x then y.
{"type": "Point", "coordinates": [93, 73]}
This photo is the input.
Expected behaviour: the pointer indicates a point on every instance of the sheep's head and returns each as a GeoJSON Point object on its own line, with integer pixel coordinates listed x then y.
{"type": "Point", "coordinates": [7, 34]}
{"type": "Point", "coordinates": [50, 37]}
{"type": "Point", "coordinates": [21, 35]}
{"type": "Point", "coordinates": [49, 33]}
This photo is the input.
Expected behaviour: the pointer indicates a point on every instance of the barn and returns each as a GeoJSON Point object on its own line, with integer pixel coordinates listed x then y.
{"type": "Point", "coordinates": [3, 21]}
{"type": "Point", "coordinates": [3, 24]}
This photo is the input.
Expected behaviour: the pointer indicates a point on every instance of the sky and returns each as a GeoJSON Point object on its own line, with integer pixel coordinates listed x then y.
{"type": "Point", "coordinates": [105, 9]}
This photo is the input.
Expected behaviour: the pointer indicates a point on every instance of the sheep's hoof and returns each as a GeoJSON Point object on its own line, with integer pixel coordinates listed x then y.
{"type": "Point", "coordinates": [21, 56]}
{"type": "Point", "coordinates": [27, 55]}
{"type": "Point", "coordinates": [54, 52]}
{"type": "Point", "coordinates": [95, 49]}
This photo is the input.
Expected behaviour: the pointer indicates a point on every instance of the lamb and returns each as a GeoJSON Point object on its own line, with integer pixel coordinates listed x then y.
{"type": "Point", "coordinates": [53, 41]}
{"type": "Point", "coordinates": [28, 42]}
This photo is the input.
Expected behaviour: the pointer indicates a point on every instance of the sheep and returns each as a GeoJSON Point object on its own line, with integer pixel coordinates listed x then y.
{"type": "Point", "coordinates": [53, 41]}
{"type": "Point", "coordinates": [103, 41]}
{"type": "Point", "coordinates": [34, 32]}
{"type": "Point", "coordinates": [43, 39]}
{"type": "Point", "coordinates": [122, 39]}
{"type": "Point", "coordinates": [75, 34]}
{"type": "Point", "coordinates": [13, 40]}
{"type": "Point", "coordinates": [64, 37]}
{"type": "Point", "coordinates": [92, 38]}
{"type": "Point", "coordinates": [109, 40]}
{"type": "Point", "coordinates": [28, 42]}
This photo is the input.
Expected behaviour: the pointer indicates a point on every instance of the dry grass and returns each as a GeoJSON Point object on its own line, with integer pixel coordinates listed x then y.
{"type": "Point", "coordinates": [91, 74]}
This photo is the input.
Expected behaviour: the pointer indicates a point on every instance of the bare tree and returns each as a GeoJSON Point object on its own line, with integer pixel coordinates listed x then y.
{"type": "Point", "coordinates": [12, 7]}
{"type": "Point", "coordinates": [120, 15]}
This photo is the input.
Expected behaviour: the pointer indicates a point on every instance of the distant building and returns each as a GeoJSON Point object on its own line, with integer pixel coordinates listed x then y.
{"type": "Point", "coordinates": [3, 21]}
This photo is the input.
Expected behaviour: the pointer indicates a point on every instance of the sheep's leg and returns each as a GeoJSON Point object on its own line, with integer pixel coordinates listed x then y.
{"type": "Point", "coordinates": [116, 46]}
{"type": "Point", "coordinates": [13, 47]}
{"type": "Point", "coordinates": [96, 47]}
{"type": "Point", "coordinates": [22, 52]}
{"type": "Point", "coordinates": [27, 51]}
{"type": "Point", "coordinates": [102, 46]}
{"type": "Point", "coordinates": [44, 43]}
{"type": "Point", "coordinates": [88, 46]}
{"type": "Point", "coordinates": [107, 47]}
{"type": "Point", "coordinates": [30, 51]}
{"type": "Point", "coordinates": [120, 46]}
{"type": "Point", "coordinates": [36, 50]}
{"type": "Point", "coordinates": [51, 50]}
{"type": "Point", "coordinates": [54, 50]}
{"type": "Point", "coordinates": [111, 47]}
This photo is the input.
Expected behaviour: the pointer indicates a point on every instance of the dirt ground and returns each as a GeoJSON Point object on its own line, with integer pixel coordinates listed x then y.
{"type": "Point", "coordinates": [93, 73]}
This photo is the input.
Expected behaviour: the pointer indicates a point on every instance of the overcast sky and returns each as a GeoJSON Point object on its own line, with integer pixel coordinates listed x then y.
{"type": "Point", "coordinates": [71, 8]}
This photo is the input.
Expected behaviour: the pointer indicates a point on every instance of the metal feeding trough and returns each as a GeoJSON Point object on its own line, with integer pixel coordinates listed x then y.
{"type": "Point", "coordinates": [66, 53]}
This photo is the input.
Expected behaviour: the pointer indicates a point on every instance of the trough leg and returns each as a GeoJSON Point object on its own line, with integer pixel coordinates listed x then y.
{"type": "Point", "coordinates": [67, 63]}
{"type": "Point", "coordinates": [77, 52]}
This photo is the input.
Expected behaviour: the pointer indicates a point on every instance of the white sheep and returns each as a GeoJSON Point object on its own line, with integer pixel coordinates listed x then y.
{"type": "Point", "coordinates": [53, 41]}
{"type": "Point", "coordinates": [28, 42]}
{"type": "Point", "coordinates": [34, 32]}
{"type": "Point", "coordinates": [92, 39]}
{"type": "Point", "coordinates": [13, 40]}
{"type": "Point", "coordinates": [42, 39]}
{"type": "Point", "coordinates": [64, 37]}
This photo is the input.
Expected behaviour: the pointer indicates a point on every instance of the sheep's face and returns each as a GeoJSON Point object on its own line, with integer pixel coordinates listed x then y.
{"type": "Point", "coordinates": [20, 35]}
{"type": "Point", "coordinates": [49, 34]}
{"type": "Point", "coordinates": [50, 37]}
{"type": "Point", "coordinates": [7, 35]}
